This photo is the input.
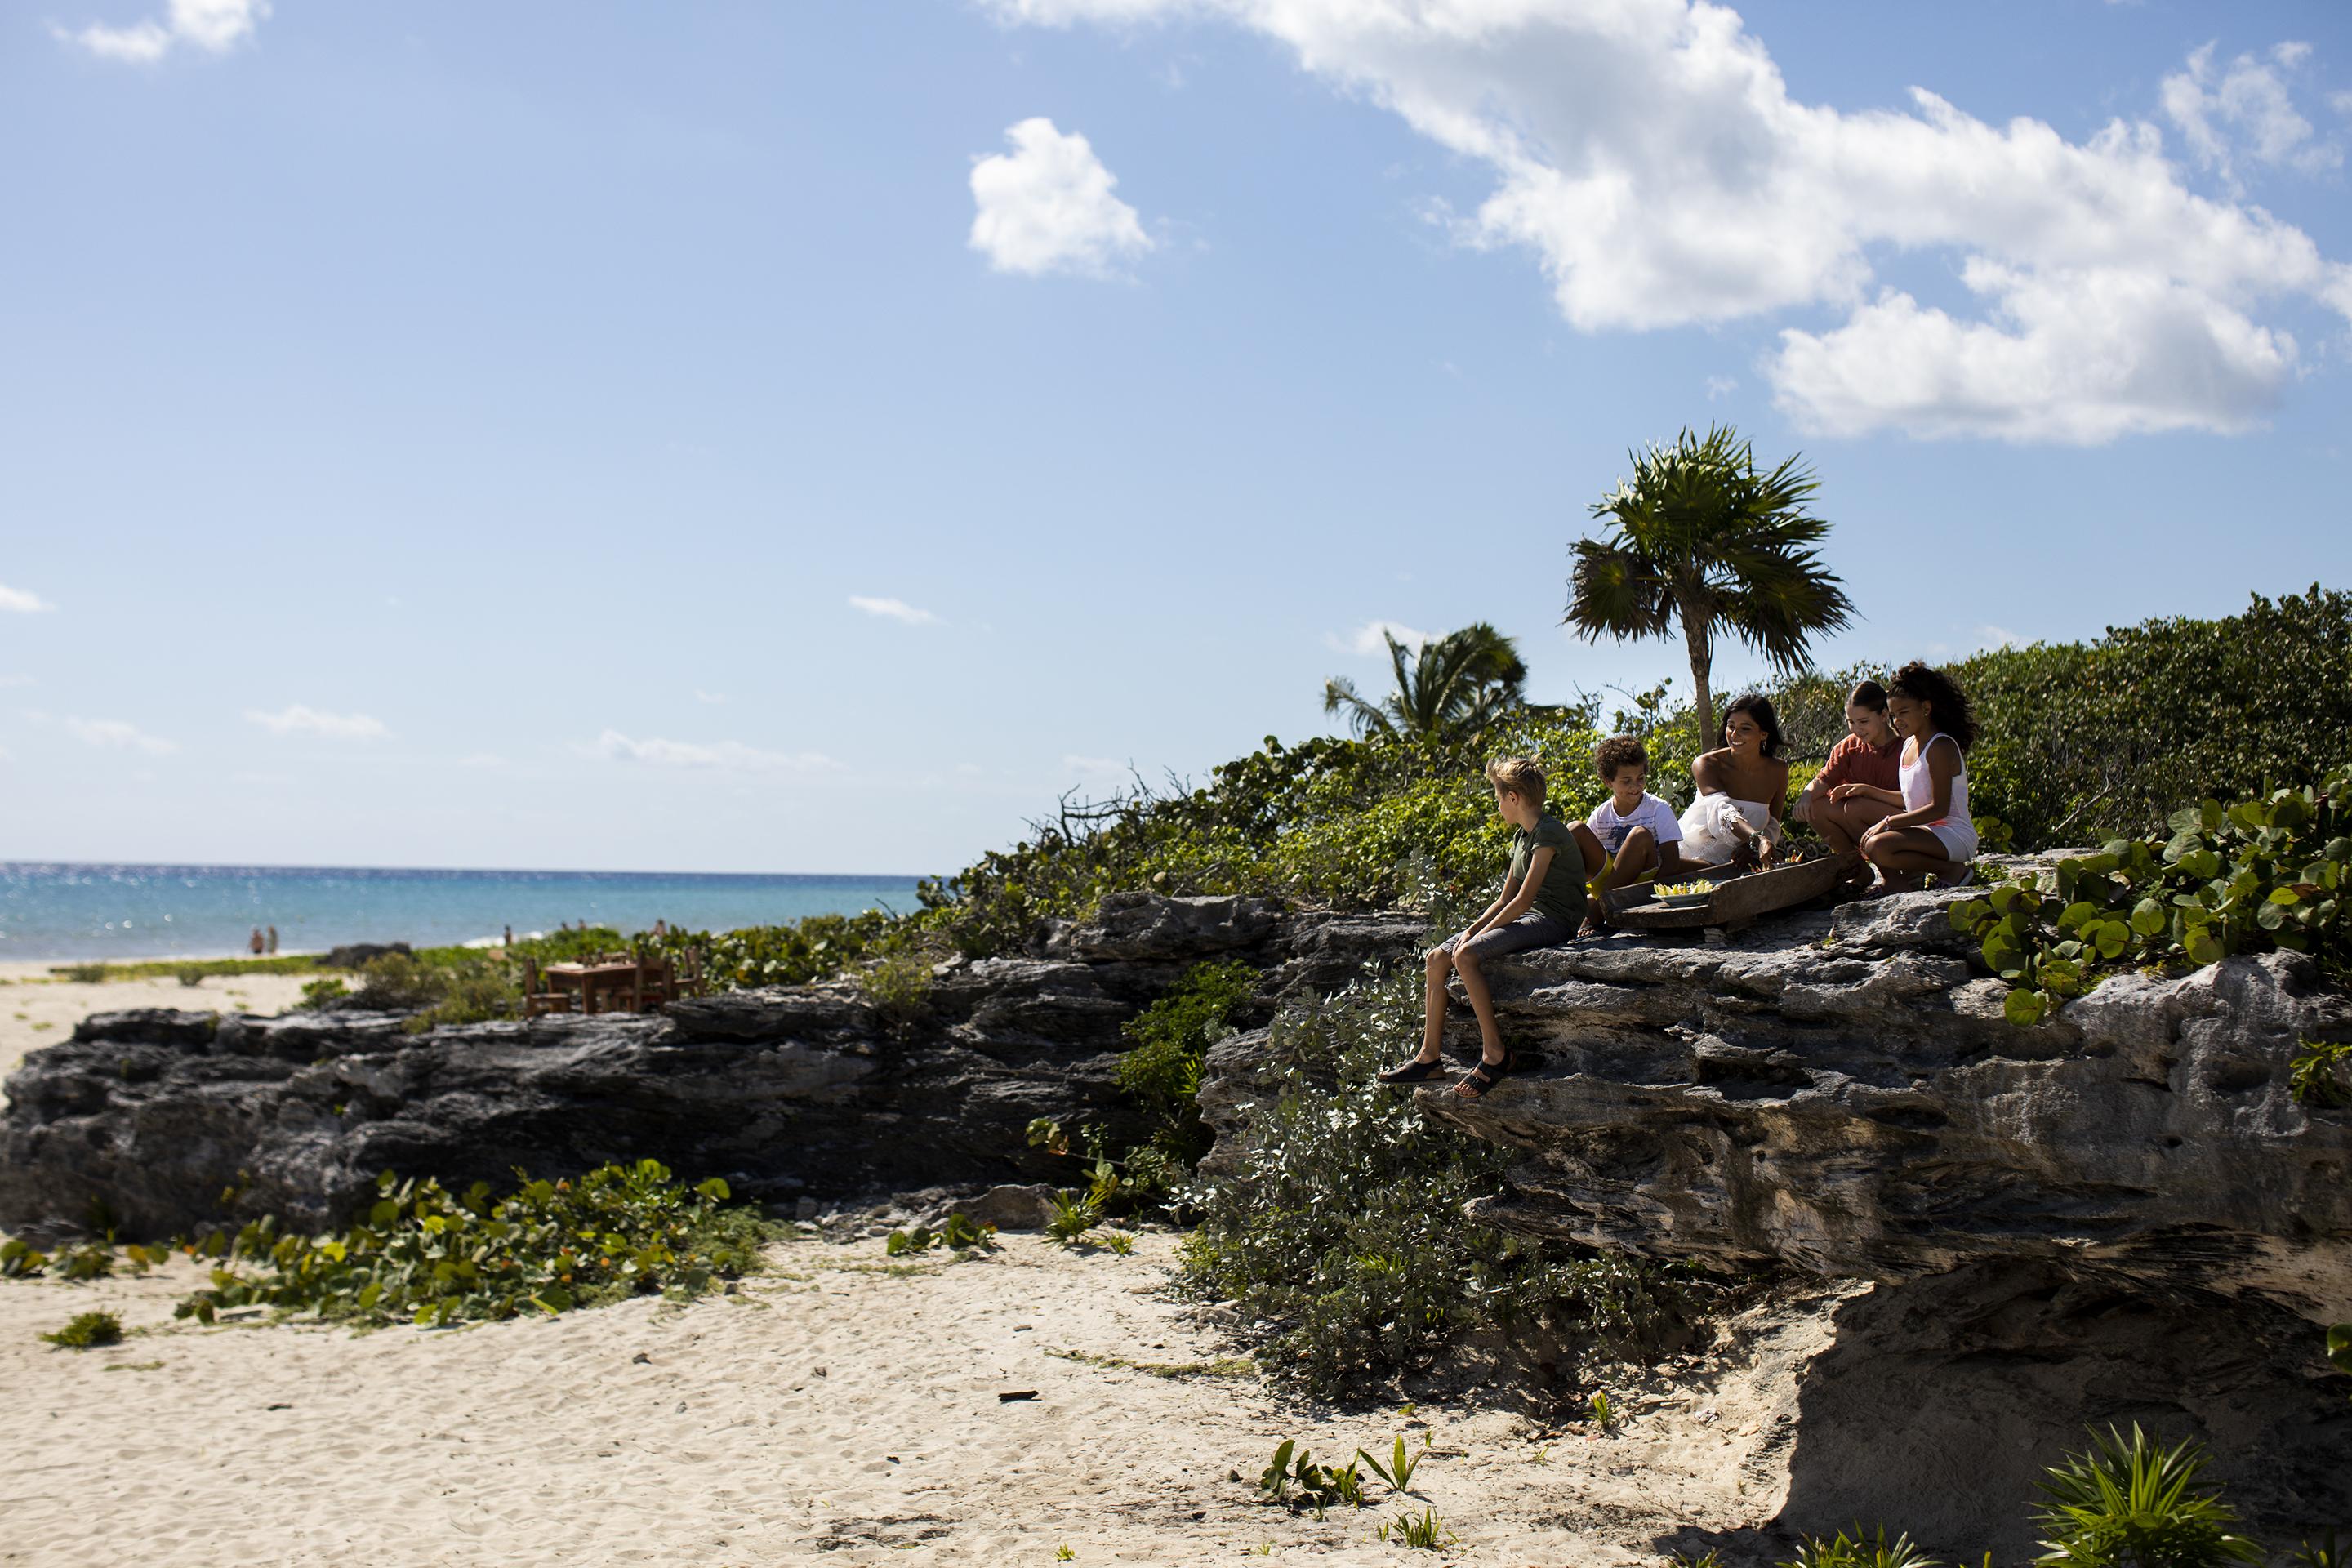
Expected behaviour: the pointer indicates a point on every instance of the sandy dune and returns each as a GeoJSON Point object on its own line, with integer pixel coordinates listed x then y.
{"type": "Point", "coordinates": [37, 1009]}
{"type": "Point", "coordinates": [839, 1409]}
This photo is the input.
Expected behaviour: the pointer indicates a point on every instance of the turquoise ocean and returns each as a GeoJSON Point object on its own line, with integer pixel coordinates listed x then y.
{"type": "Point", "coordinates": [92, 911]}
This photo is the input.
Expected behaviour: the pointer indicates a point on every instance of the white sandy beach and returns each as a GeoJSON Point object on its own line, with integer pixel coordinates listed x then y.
{"type": "Point", "coordinates": [39, 1008]}
{"type": "Point", "coordinates": [838, 1409]}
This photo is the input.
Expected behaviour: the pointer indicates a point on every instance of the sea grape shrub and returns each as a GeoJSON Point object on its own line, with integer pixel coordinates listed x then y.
{"type": "Point", "coordinates": [425, 1254]}
{"type": "Point", "coordinates": [2257, 875]}
{"type": "Point", "coordinates": [2080, 743]}
{"type": "Point", "coordinates": [88, 1331]}
{"type": "Point", "coordinates": [1340, 1233]}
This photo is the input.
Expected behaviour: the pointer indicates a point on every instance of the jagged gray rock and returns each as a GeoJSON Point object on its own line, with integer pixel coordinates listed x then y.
{"type": "Point", "coordinates": [783, 1091]}
{"type": "Point", "coordinates": [1840, 1093]}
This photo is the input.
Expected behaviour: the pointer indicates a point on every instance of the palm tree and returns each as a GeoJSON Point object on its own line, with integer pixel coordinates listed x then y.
{"type": "Point", "coordinates": [1456, 684]}
{"type": "Point", "coordinates": [1705, 537]}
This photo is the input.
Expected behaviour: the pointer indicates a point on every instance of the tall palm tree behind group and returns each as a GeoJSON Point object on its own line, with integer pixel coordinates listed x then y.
{"type": "Point", "coordinates": [1452, 685]}
{"type": "Point", "coordinates": [1705, 539]}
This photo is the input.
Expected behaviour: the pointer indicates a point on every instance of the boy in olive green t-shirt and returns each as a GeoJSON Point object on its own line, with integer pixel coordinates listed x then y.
{"type": "Point", "coordinates": [1541, 904]}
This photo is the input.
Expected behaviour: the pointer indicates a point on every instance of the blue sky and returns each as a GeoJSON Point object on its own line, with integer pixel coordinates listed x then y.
{"type": "Point", "coordinates": [808, 437]}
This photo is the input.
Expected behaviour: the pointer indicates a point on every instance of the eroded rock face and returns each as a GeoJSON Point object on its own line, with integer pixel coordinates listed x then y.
{"type": "Point", "coordinates": [785, 1090]}
{"type": "Point", "coordinates": [1839, 1092]}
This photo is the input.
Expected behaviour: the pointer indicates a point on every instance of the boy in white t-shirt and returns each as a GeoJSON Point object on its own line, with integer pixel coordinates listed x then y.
{"type": "Point", "coordinates": [1628, 835]}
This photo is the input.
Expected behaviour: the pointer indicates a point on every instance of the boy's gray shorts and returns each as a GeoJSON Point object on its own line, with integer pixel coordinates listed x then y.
{"type": "Point", "coordinates": [1530, 930]}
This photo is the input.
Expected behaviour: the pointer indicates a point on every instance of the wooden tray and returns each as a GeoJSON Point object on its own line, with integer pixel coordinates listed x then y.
{"type": "Point", "coordinates": [1738, 898]}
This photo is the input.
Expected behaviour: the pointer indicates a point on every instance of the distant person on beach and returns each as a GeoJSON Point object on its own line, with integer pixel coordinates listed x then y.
{"type": "Point", "coordinates": [661, 929]}
{"type": "Point", "coordinates": [255, 943]}
{"type": "Point", "coordinates": [273, 939]}
{"type": "Point", "coordinates": [1743, 788]}
{"type": "Point", "coordinates": [1862, 782]}
{"type": "Point", "coordinates": [510, 936]}
{"type": "Point", "coordinates": [1541, 904]}
{"type": "Point", "coordinates": [1629, 835]}
{"type": "Point", "coordinates": [1930, 832]}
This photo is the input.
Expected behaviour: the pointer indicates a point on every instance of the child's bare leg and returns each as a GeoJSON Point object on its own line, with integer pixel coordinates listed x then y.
{"type": "Point", "coordinates": [1587, 845]}
{"type": "Point", "coordinates": [1636, 859]}
{"type": "Point", "coordinates": [1482, 1003]}
{"type": "Point", "coordinates": [1834, 821]}
{"type": "Point", "coordinates": [1904, 855]}
{"type": "Point", "coordinates": [1432, 1030]}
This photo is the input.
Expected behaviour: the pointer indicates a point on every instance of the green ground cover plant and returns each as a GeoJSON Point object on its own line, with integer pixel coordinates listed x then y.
{"type": "Point", "coordinates": [1342, 1233]}
{"type": "Point", "coordinates": [425, 1254]}
{"type": "Point", "coordinates": [1859, 1551]}
{"type": "Point", "coordinates": [2253, 876]}
{"type": "Point", "coordinates": [88, 1331]}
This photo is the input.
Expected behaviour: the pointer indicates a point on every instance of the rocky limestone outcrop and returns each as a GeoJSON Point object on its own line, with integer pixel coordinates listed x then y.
{"type": "Point", "coordinates": [2121, 1216]}
{"type": "Point", "coordinates": [1840, 1093]}
{"type": "Point", "coordinates": [179, 1121]}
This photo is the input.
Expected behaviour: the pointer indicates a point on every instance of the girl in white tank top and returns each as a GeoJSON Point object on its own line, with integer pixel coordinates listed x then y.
{"type": "Point", "coordinates": [1933, 834]}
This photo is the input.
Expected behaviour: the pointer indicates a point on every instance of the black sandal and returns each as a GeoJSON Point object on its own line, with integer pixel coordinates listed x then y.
{"type": "Point", "coordinates": [1414, 1071]}
{"type": "Point", "coordinates": [1487, 1075]}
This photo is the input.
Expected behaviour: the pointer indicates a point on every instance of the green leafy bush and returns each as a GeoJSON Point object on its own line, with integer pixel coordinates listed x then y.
{"type": "Point", "coordinates": [88, 1331]}
{"type": "Point", "coordinates": [400, 983]}
{"type": "Point", "coordinates": [960, 1233]}
{"type": "Point", "coordinates": [425, 1254]}
{"type": "Point", "coordinates": [1295, 1480]}
{"type": "Point", "coordinates": [2256, 875]}
{"type": "Point", "coordinates": [325, 992]}
{"type": "Point", "coordinates": [900, 988]}
{"type": "Point", "coordinates": [2079, 743]}
{"type": "Point", "coordinates": [2131, 1504]}
{"type": "Point", "coordinates": [1342, 1231]}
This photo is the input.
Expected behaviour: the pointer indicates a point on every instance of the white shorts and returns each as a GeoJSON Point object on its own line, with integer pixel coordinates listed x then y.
{"type": "Point", "coordinates": [1958, 838]}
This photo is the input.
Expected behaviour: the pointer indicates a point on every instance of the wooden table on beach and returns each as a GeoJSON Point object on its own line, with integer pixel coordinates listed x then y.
{"type": "Point", "coordinates": [592, 980]}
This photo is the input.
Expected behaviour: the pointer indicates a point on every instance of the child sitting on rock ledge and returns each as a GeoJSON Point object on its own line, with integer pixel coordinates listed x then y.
{"type": "Point", "coordinates": [1541, 904]}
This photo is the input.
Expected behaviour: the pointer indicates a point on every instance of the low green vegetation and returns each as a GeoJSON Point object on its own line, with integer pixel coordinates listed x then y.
{"type": "Point", "coordinates": [1341, 1235]}
{"type": "Point", "coordinates": [2257, 875]}
{"type": "Point", "coordinates": [188, 972]}
{"type": "Point", "coordinates": [1295, 1480]}
{"type": "Point", "coordinates": [2130, 1503]}
{"type": "Point", "coordinates": [88, 1331]}
{"type": "Point", "coordinates": [959, 1233]}
{"type": "Point", "coordinates": [1859, 1551]}
{"type": "Point", "coordinates": [1422, 1531]}
{"type": "Point", "coordinates": [424, 1255]}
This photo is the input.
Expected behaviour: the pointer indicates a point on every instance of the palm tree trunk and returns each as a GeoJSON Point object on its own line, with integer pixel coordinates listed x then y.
{"type": "Point", "coordinates": [1699, 637]}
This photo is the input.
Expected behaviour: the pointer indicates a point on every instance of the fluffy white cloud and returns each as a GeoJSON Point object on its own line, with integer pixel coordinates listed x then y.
{"type": "Point", "coordinates": [1368, 640]}
{"type": "Point", "coordinates": [8, 681]}
{"type": "Point", "coordinates": [297, 719]}
{"type": "Point", "coordinates": [22, 601]}
{"type": "Point", "coordinates": [2245, 110]}
{"type": "Point", "coordinates": [214, 27]}
{"type": "Point", "coordinates": [113, 734]}
{"type": "Point", "coordinates": [893, 610]}
{"type": "Point", "coordinates": [1650, 154]}
{"type": "Point", "coordinates": [1095, 767]}
{"type": "Point", "coordinates": [1721, 386]}
{"type": "Point", "coordinates": [725, 756]}
{"type": "Point", "coordinates": [1046, 207]}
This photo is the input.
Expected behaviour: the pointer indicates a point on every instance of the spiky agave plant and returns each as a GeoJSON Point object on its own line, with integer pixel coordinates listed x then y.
{"type": "Point", "coordinates": [1860, 1550]}
{"type": "Point", "coordinates": [2129, 1503]}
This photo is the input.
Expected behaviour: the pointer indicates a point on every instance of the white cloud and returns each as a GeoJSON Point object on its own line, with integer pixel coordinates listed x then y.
{"type": "Point", "coordinates": [713, 698]}
{"type": "Point", "coordinates": [2341, 102]}
{"type": "Point", "coordinates": [10, 681]}
{"type": "Point", "coordinates": [214, 27]}
{"type": "Point", "coordinates": [115, 735]}
{"type": "Point", "coordinates": [2246, 110]}
{"type": "Point", "coordinates": [1367, 642]}
{"type": "Point", "coordinates": [1998, 637]}
{"type": "Point", "coordinates": [22, 601]}
{"type": "Point", "coordinates": [1046, 207]}
{"type": "Point", "coordinates": [1650, 154]}
{"type": "Point", "coordinates": [1720, 386]}
{"type": "Point", "coordinates": [725, 756]}
{"type": "Point", "coordinates": [894, 610]}
{"type": "Point", "coordinates": [297, 719]}
{"type": "Point", "coordinates": [1095, 767]}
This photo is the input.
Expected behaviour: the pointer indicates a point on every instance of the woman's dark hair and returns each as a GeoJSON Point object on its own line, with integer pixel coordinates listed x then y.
{"type": "Point", "coordinates": [1758, 707]}
{"type": "Point", "coordinates": [1867, 694]}
{"type": "Point", "coordinates": [1946, 703]}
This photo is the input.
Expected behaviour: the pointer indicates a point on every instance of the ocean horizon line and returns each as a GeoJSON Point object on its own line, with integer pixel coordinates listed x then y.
{"type": "Point", "coordinates": [261, 868]}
